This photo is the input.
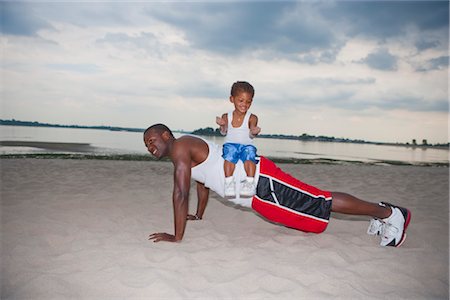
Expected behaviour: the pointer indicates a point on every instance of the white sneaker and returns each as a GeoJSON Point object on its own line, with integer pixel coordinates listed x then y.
{"type": "Point", "coordinates": [376, 227]}
{"type": "Point", "coordinates": [248, 189]}
{"type": "Point", "coordinates": [394, 233]}
{"type": "Point", "coordinates": [230, 189]}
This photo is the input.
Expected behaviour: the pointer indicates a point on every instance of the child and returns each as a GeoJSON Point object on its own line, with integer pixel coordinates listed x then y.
{"type": "Point", "coordinates": [240, 127]}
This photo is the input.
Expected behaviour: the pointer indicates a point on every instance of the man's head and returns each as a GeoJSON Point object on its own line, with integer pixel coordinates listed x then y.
{"type": "Point", "coordinates": [158, 139]}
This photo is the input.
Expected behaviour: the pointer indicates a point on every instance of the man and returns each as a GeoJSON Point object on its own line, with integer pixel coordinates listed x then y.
{"type": "Point", "coordinates": [279, 197]}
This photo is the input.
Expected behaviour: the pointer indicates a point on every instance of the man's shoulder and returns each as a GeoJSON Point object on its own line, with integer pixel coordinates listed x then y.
{"type": "Point", "coordinates": [189, 138]}
{"type": "Point", "coordinates": [190, 147]}
{"type": "Point", "coordinates": [189, 141]}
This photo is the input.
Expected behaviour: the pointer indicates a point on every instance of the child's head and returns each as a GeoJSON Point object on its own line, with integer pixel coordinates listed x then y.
{"type": "Point", "coordinates": [242, 94]}
{"type": "Point", "coordinates": [242, 87]}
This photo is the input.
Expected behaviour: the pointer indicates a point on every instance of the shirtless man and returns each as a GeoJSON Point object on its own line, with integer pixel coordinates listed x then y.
{"type": "Point", "coordinates": [201, 160]}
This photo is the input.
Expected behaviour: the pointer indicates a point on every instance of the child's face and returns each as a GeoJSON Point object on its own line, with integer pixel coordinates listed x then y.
{"type": "Point", "coordinates": [242, 101]}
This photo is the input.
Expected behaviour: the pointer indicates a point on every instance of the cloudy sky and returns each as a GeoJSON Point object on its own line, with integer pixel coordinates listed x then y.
{"type": "Point", "coordinates": [363, 70]}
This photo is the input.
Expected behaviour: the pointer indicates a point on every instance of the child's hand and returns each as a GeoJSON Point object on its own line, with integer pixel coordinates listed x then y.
{"type": "Point", "coordinates": [220, 121]}
{"type": "Point", "coordinates": [223, 125]}
{"type": "Point", "coordinates": [254, 131]}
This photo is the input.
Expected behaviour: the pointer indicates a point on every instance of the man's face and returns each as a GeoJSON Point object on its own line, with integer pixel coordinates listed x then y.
{"type": "Point", "coordinates": [155, 143]}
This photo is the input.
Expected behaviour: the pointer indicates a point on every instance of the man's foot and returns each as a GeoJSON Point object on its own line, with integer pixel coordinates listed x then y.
{"type": "Point", "coordinates": [376, 227]}
{"type": "Point", "coordinates": [248, 189]}
{"type": "Point", "coordinates": [394, 232]}
{"type": "Point", "coordinates": [230, 189]}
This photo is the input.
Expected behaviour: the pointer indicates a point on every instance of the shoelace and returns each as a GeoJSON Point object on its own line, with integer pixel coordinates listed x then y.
{"type": "Point", "coordinates": [247, 185]}
{"type": "Point", "coordinates": [229, 185]}
{"type": "Point", "coordinates": [376, 226]}
{"type": "Point", "coordinates": [389, 230]}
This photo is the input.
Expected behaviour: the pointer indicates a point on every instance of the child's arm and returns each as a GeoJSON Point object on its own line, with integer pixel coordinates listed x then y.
{"type": "Point", "coordinates": [253, 125]}
{"type": "Point", "coordinates": [223, 123]}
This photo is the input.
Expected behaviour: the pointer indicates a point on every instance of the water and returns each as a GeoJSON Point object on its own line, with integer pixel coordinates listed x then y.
{"type": "Point", "coordinates": [122, 142]}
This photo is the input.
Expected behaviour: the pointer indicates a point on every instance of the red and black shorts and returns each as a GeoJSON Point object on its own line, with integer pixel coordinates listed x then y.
{"type": "Point", "coordinates": [284, 199]}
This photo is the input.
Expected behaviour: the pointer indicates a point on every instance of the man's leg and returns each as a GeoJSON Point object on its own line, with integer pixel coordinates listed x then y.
{"type": "Point", "coordinates": [347, 204]}
{"type": "Point", "coordinates": [393, 220]}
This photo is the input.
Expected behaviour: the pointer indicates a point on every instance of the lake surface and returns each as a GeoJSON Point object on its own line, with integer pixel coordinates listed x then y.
{"type": "Point", "coordinates": [122, 142]}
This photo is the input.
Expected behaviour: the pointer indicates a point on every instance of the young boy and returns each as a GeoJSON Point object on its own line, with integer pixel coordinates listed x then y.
{"type": "Point", "coordinates": [240, 127]}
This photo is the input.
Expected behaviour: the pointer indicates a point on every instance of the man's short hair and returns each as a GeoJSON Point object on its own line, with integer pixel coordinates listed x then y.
{"type": "Point", "coordinates": [160, 128]}
{"type": "Point", "coordinates": [242, 86]}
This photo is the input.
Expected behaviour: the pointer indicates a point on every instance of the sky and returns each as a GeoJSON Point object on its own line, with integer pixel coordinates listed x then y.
{"type": "Point", "coordinates": [371, 70]}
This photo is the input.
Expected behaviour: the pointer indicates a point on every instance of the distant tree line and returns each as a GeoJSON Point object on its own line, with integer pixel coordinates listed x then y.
{"type": "Point", "coordinates": [209, 131]}
{"type": "Point", "coordinates": [38, 124]}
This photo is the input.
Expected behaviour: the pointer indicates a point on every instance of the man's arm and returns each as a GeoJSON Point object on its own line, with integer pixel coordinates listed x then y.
{"type": "Point", "coordinates": [203, 196]}
{"type": "Point", "coordinates": [180, 196]}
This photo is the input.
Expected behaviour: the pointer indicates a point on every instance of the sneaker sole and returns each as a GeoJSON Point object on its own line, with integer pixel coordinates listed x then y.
{"type": "Point", "coordinates": [407, 216]}
{"type": "Point", "coordinates": [407, 220]}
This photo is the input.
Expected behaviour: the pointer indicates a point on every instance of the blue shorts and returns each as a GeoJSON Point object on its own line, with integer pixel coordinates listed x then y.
{"type": "Point", "coordinates": [235, 152]}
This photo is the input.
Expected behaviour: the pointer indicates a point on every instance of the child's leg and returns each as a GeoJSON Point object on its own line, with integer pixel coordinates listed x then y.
{"type": "Point", "coordinates": [250, 168]}
{"type": "Point", "coordinates": [230, 156]}
{"type": "Point", "coordinates": [248, 156]}
{"type": "Point", "coordinates": [228, 167]}
{"type": "Point", "coordinates": [230, 187]}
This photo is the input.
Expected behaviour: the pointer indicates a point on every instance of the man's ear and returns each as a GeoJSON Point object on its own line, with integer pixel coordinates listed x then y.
{"type": "Point", "coordinates": [231, 99]}
{"type": "Point", "coordinates": [165, 135]}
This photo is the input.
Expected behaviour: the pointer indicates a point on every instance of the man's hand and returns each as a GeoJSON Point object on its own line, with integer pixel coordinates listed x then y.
{"type": "Point", "coordinates": [193, 218]}
{"type": "Point", "coordinates": [162, 236]}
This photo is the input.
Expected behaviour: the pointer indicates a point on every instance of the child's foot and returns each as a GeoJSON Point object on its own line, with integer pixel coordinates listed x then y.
{"type": "Point", "coordinates": [247, 188]}
{"type": "Point", "coordinates": [230, 189]}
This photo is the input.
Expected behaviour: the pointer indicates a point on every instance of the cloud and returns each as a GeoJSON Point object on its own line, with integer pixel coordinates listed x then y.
{"type": "Point", "coordinates": [384, 19]}
{"type": "Point", "coordinates": [19, 19]}
{"type": "Point", "coordinates": [413, 104]}
{"type": "Point", "coordinates": [382, 60]}
{"type": "Point", "coordinates": [78, 68]}
{"type": "Point", "coordinates": [281, 29]}
{"type": "Point", "coordinates": [145, 41]}
{"type": "Point", "coordinates": [438, 63]}
{"type": "Point", "coordinates": [151, 60]}
{"type": "Point", "coordinates": [424, 44]}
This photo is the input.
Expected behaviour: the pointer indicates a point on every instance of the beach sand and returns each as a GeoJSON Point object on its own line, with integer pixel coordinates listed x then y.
{"type": "Point", "coordinates": [79, 229]}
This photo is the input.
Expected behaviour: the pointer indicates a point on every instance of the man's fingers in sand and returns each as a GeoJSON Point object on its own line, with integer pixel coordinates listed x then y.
{"type": "Point", "coordinates": [193, 217]}
{"type": "Point", "coordinates": [161, 236]}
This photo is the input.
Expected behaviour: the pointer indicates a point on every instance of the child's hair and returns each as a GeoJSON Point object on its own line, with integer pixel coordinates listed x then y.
{"type": "Point", "coordinates": [242, 86]}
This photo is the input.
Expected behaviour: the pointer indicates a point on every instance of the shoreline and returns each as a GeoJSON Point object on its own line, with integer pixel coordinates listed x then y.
{"type": "Point", "coordinates": [86, 151]}
{"type": "Point", "coordinates": [144, 157]}
{"type": "Point", "coordinates": [210, 132]}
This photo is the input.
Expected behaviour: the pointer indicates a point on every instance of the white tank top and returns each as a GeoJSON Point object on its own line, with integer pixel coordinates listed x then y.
{"type": "Point", "coordinates": [210, 172]}
{"type": "Point", "coordinates": [239, 135]}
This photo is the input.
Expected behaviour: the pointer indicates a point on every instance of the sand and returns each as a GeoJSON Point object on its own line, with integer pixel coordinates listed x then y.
{"type": "Point", "coordinates": [78, 229]}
